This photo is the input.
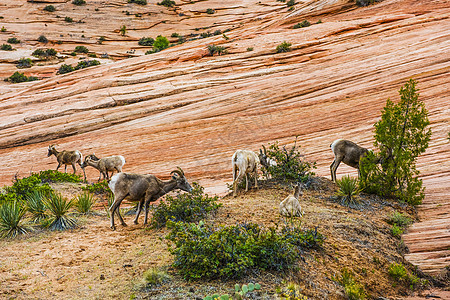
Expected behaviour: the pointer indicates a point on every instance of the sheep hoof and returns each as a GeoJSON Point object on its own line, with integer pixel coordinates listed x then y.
{"type": "Point", "coordinates": [124, 225]}
{"type": "Point", "coordinates": [136, 222]}
{"type": "Point", "coordinates": [113, 227]}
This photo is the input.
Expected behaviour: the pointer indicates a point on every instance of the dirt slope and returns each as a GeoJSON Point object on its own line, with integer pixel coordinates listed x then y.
{"type": "Point", "coordinates": [181, 107]}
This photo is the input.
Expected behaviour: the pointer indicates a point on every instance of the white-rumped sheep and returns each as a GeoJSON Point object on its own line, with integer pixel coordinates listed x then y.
{"type": "Point", "coordinates": [143, 188]}
{"type": "Point", "coordinates": [347, 152]}
{"type": "Point", "coordinates": [290, 207]}
{"type": "Point", "coordinates": [66, 158]}
{"type": "Point", "coordinates": [104, 165]}
{"type": "Point", "coordinates": [245, 162]}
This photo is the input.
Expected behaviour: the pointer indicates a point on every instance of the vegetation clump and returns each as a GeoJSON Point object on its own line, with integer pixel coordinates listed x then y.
{"type": "Point", "coordinates": [24, 63]}
{"type": "Point", "coordinates": [81, 65]}
{"type": "Point", "coordinates": [44, 53]}
{"type": "Point", "coordinates": [185, 207]}
{"type": "Point", "coordinates": [98, 188]}
{"type": "Point", "coordinates": [167, 3]}
{"type": "Point", "coordinates": [290, 3]}
{"type": "Point", "coordinates": [84, 203]}
{"type": "Point", "coordinates": [362, 3]}
{"type": "Point", "coordinates": [290, 164]}
{"type": "Point", "coordinates": [42, 39]}
{"type": "Point", "coordinates": [140, 2]}
{"type": "Point", "coordinates": [11, 220]}
{"type": "Point", "coordinates": [146, 41]}
{"type": "Point", "coordinates": [58, 217]}
{"type": "Point", "coordinates": [50, 8]}
{"type": "Point", "coordinates": [210, 11]}
{"type": "Point", "coordinates": [284, 47]}
{"type": "Point", "coordinates": [400, 274]}
{"type": "Point", "coordinates": [18, 77]}
{"type": "Point", "coordinates": [6, 47]}
{"type": "Point", "coordinates": [155, 276]}
{"type": "Point", "coordinates": [13, 40]}
{"type": "Point", "coordinates": [213, 49]}
{"type": "Point", "coordinates": [348, 188]}
{"type": "Point", "coordinates": [79, 2]}
{"type": "Point", "coordinates": [81, 49]}
{"type": "Point", "coordinates": [68, 19]}
{"type": "Point", "coordinates": [399, 223]}
{"type": "Point", "coordinates": [305, 23]}
{"type": "Point", "coordinates": [353, 290]}
{"type": "Point", "coordinates": [401, 135]}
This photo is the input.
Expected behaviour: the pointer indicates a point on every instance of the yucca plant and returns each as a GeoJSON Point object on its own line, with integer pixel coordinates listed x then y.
{"type": "Point", "coordinates": [84, 203]}
{"type": "Point", "coordinates": [348, 189]}
{"type": "Point", "coordinates": [11, 224]}
{"type": "Point", "coordinates": [35, 205]}
{"type": "Point", "coordinates": [58, 217]}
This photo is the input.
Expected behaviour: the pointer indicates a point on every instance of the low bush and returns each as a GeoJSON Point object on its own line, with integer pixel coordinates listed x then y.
{"type": "Point", "coordinates": [167, 3]}
{"type": "Point", "coordinates": [140, 2]}
{"type": "Point", "coordinates": [11, 219]}
{"type": "Point", "coordinates": [400, 274]}
{"type": "Point", "coordinates": [146, 41]}
{"type": "Point", "coordinates": [81, 65]}
{"type": "Point", "coordinates": [98, 188]}
{"type": "Point", "coordinates": [348, 188]}
{"type": "Point", "coordinates": [210, 11]}
{"type": "Point", "coordinates": [203, 251]}
{"type": "Point", "coordinates": [81, 49]}
{"type": "Point", "coordinates": [362, 3]}
{"type": "Point", "coordinates": [160, 43]}
{"type": "Point", "coordinates": [284, 47]}
{"type": "Point", "coordinates": [213, 49]}
{"type": "Point", "coordinates": [49, 8]}
{"type": "Point", "coordinates": [24, 63]}
{"type": "Point", "coordinates": [290, 3]}
{"type": "Point", "coordinates": [399, 219]}
{"type": "Point", "coordinates": [185, 207]}
{"type": "Point", "coordinates": [68, 19]}
{"type": "Point", "coordinates": [44, 53]}
{"type": "Point", "coordinates": [13, 40]}
{"type": "Point", "coordinates": [290, 164]}
{"type": "Point", "coordinates": [79, 2]}
{"type": "Point", "coordinates": [3, 29]}
{"type": "Point", "coordinates": [58, 217]}
{"type": "Point", "coordinates": [305, 23]}
{"type": "Point", "coordinates": [6, 47]}
{"type": "Point", "coordinates": [42, 39]}
{"type": "Point", "coordinates": [155, 276]}
{"type": "Point", "coordinates": [18, 77]}
{"type": "Point", "coordinates": [64, 68]}
{"type": "Point", "coordinates": [84, 203]}
{"type": "Point", "coordinates": [353, 290]}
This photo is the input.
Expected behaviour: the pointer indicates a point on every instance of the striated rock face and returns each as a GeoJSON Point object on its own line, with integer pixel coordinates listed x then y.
{"type": "Point", "coordinates": [182, 107]}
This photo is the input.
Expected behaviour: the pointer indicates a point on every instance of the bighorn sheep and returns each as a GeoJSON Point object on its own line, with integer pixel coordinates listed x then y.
{"type": "Point", "coordinates": [105, 164]}
{"type": "Point", "coordinates": [143, 188]}
{"type": "Point", "coordinates": [290, 207]}
{"type": "Point", "coordinates": [347, 152]}
{"type": "Point", "coordinates": [66, 158]}
{"type": "Point", "coordinates": [244, 161]}
{"type": "Point", "coordinates": [265, 160]}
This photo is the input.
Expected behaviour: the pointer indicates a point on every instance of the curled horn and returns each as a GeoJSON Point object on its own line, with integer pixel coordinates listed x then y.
{"type": "Point", "coordinates": [265, 151]}
{"type": "Point", "coordinates": [178, 172]}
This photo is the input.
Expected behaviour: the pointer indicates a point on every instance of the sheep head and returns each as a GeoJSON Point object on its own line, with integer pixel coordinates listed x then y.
{"type": "Point", "coordinates": [181, 180]}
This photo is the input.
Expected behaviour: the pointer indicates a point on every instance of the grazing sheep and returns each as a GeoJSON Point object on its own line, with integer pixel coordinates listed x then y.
{"type": "Point", "coordinates": [66, 158]}
{"type": "Point", "coordinates": [105, 164]}
{"type": "Point", "coordinates": [347, 152]}
{"type": "Point", "coordinates": [244, 162]}
{"type": "Point", "coordinates": [290, 207]}
{"type": "Point", "coordinates": [143, 188]}
{"type": "Point", "coordinates": [266, 161]}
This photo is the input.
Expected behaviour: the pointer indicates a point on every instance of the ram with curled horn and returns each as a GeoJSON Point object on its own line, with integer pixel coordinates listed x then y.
{"type": "Point", "coordinates": [143, 189]}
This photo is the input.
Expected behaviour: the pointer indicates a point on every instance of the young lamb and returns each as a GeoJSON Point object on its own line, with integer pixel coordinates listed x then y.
{"type": "Point", "coordinates": [290, 207]}
{"type": "Point", "coordinates": [66, 158]}
{"type": "Point", "coordinates": [143, 188]}
{"type": "Point", "coordinates": [244, 162]}
{"type": "Point", "coordinates": [105, 164]}
{"type": "Point", "coordinates": [347, 152]}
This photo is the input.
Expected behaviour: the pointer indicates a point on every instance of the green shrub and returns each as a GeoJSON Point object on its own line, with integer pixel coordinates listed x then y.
{"type": "Point", "coordinates": [399, 219]}
{"type": "Point", "coordinates": [64, 68]}
{"type": "Point", "coordinates": [217, 32]}
{"type": "Point", "coordinates": [140, 2]}
{"type": "Point", "coordinates": [18, 77]}
{"type": "Point", "coordinates": [348, 188]}
{"type": "Point", "coordinates": [396, 230]}
{"type": "Point", "coordinates": [305, 23]}
{"type": "Point", "coordinates": [290, 3]}
{"type": "Point", "coordinates": [362, 3]}
{"type": "Point", "coordinates": [290, 164]}
{"type": "Point", "coordinates": [44, 53]}
{"type": "Point", "coordinates": [35, 205]}
{"type": "Point", "coordinates": [284, 47]}
{"type": "Point", "coordinates": [291, 291]}
{"type": "Point", "coordinates": [58, 217]}
{"type": "Point", "coordinates": [167, 3]}
{"type": "Point", "coordinates": [42, 39]}
{"type": "Point", "coordinates": [399, 273]}
{"type": "Point", "coordinates": [81, 49]}
{"type": "Point", "coordinates": [401, 135]}
{"type": "Point", "coordinates": [86, 64]}
{"type": "Point", "coordinates": [160, 43]}
{"type": "Point", "coordinates": [213, 49]}
{"type": "Point", "coordinates": [68, 19]}
{"type": "Point", "coordinates": [84, 203]}
{"type": "Point", "coordinates": [24, 63]}
{"type": "Point", "coordinates": [3, 29]}
{"type": "Point", "coordinates": [210, 11]}
{"type": "Point", "coordinates": [146, 41]}
{"type": "Point", "coordinates": [185, 207]}
{"type": "Point", "coordinates": [6, 47]}
{"type": "Point", "coordinates": [98, 188]}
{"type": "Point", "coordinates": [13, 40]}
{"type": "Point", "coordinates": [50, 8]}
{"type": "Point", "coordinates": [155, 276]}
{"type": "Point", "coordinates": [101, 40]}
{"type": "Point", "coordinates": [79, 2]}
{"type": "Point", "coordinates": [21, 188]}
{"type": "Point", "coordinates": [11, 220]}
{"type": "Point", "coordinates": [353, 290]}
{"type": "Point", "coordinates": [175, 35]}
{"type": "Point", "coordinates": [250, 49]}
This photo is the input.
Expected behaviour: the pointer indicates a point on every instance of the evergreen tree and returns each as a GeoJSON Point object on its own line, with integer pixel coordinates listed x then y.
{"type": "Point", "coordinates": [401, 135]}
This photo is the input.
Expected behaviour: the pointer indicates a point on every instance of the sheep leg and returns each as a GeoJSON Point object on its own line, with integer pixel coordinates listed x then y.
{"type": "Point", "coordinates": [74, 168]}
{"type": "Point", "coordinates": [256, 177]}
{"type": "Point", "coordinates": [59, 165]}
{"type": "Point", "coordinates": [113, 208]}
{"type": "Point", "coordinates": [147, 205]}
{"type": "Point", "coordinates": [99, 176]}
{"type": "Point", "coordinates": [120, 218]}
{"type": "Point", "coordinates": [333, 168]}
{"type": "Point", "coordinates": [65, 168]}
{"type": "Point", "coordinates": [138, 211]}
{"type": "Point", "coordinates": [246, 182]}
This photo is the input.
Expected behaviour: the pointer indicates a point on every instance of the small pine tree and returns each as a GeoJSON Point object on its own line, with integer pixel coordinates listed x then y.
{"type": "Point", "coordinates": [401, 135]}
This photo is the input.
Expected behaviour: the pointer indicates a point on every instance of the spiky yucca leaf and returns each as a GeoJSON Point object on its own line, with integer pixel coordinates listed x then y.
{"type": "Point", "coordinates": [11, 225]}
{"type": "Point", "coordinates": [348, 189]}
{"type": "Point", "coordinates": [35, 205]}
{"type": "Point", "coordinates": [84, 202]}
{"type": "Point", "coordinates": [58, 217]}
